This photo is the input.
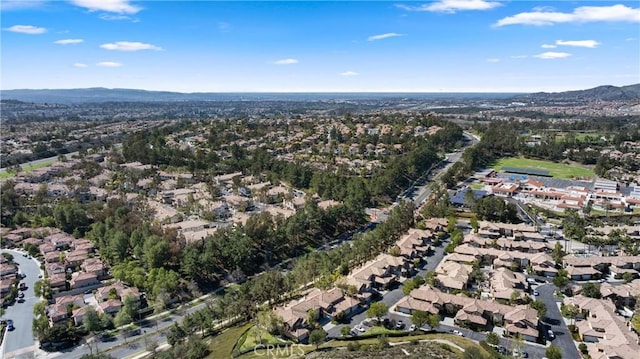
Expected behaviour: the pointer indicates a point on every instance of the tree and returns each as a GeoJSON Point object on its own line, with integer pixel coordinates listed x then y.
{"type": "Point", "coordinates": [473, 222]}
{"type": "Point", "coordinates": [91, 320]}
{"type": "Point", "coordinates": [562, 279]}
{"type": "Point", "coordinates": [591, 290]}
{"type": "Point", "coordinates": [419, 318]}
{"type": "Point", "coordinates": [122, 318]}
{"type": "Point", "coordinates": [317, 336]}
{"type": "Point", "coordinates": [493, 338]}
{"type": "Point", "coordinates": [176, 335]}
{"type": "Point", "coordinates": [433, 320]}
{"type": "Point", "coordinates": [570, 311]}
{"type": "Point", "coordinates": [553, 352]}
{"type": "Point", "coordinates": [313, 316]}
{"type": "Point", "coordinates": [345, 331]}
{"type": "Point", "coordinates": [377, 310]}
{"type": "Point", "coordinates": [540, 307]}
{"type": "Point", "coordinates": [558, 253]}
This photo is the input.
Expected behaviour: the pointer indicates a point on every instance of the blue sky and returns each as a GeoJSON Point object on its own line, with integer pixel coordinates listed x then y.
{"type": "Point", "coordinates": [306, 46]}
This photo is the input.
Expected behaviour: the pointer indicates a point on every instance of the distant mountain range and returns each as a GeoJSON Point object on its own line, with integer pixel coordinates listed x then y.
{"type": "Point", "coordinates": [100, 94]}
{"type": "Point", "coordinates": [605, 93]}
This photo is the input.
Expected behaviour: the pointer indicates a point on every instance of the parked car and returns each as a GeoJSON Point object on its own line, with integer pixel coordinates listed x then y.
{"type": "Point", "coordinates": [536, 293]}
{"type": "Point", "coordinates": [399, 324]}
{"type": "Point", "coordinates": [502, 349]}
{"type": "Point", "coordinates": [21, 295]}
{"type": "Point", "coordinates": [413, 328]}
{"type": "Point", "coordinates": [10, 326]}
{"type": "Point", "coordinates": [457, 332]}
{"type": "Point", "coordinates": [551, 334]}
{"type": "Point", "coordinates": [23, 286]}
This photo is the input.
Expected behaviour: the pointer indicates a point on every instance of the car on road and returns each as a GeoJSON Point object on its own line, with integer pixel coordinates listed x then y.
{"type": "Point", "coordinates": [536, 293]}
{"type": "Point", "coordinates": [24, 255]}
{"type": "Point", "coordinates": [551, 334]}
{"type": "Point", "coordinates": [21, 295]}
{"type": "Point", "coordinates": [10, 326]}
{"type": "Point", "coordinates": [457, 332]}
{"type": "Point", "coordinates": [360, 328]}
{"type": "Point", "coordinates": [502, 349]}
{"type": "Point", "coordinates": [413, 328]}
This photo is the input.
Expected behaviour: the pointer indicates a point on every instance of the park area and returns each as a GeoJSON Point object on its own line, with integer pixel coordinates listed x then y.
{"type": "Point", "coordinates": [243, 342]}
{"type": "Point", "coordinates": [556, 170]}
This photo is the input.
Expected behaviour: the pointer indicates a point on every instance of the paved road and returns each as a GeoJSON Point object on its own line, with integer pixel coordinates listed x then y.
{"type": "Point", "coordinates": [555, 321]}
{"type": "Point", "coordinates": [392, 297]}
{"type": "Point", "coordinates": [22, 313]}
{"type": "Point", "coordinates": [40, 161]}
{"type": "Point", "coordinates": [118, 348]}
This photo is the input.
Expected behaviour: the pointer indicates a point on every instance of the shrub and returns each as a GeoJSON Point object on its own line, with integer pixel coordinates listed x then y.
{"type": "Point", "coordinates": [583, 348]}
{"type": "Point", "coordinates": [353, 346]}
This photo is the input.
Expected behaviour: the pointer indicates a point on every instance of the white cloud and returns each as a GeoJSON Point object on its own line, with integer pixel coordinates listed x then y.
{"type": "Point", "coordinates": [109, 64]}
{"type": "Point", "coordinates": [19, 4]}
{"type": "Point", "coordinates": [286, 62]}
{"type": "Point", "coordinates": [552, 55]}
{"type": "Point", "coordinates": [630, 39]}
{"type": "Point", "coordinates": [519, 56]}
{"type": "Point", "coordinates": [349, 73]}
{"type": "Point", "coordinates": [548, 46]}
{"type": "Point", "coordinates": [613, 13]}
{"type": "Point", "coordinates": [579, 43]}
{"type": "Point", "coordinates": [452, 6]}
{"type": "Point", "coordinates": [80, 65]}
{"type": "Point", "coordinates": [117, 6]}
{"type": "Point", "coordinates": [383, 36]}
{"type": "Point", "coordinates": [26, 29]}
{"type": "Point", "coordinates": [68, 41]}
{"type": "Point", "coordinates": [493, 60]}
{"type": "Point", "coordinates": [129, 46]}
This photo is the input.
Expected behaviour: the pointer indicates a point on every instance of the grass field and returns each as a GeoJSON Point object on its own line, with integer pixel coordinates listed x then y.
{"type": "Point", "coordinates": [27, 169]}
{"type": "Point", "coordinates": [221, 346]}
{"type": "Point", "coordinates": [557, 170]}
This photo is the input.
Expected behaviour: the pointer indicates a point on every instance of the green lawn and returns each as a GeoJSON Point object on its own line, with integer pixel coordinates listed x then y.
{"type": "Point", "coordinates": [221, 346]}
{"type": "Point", "coordinates": [251, 339]}
{"type": "Point", "coordinates": [27, 169]}
{"type": "Point", "coordinates": [557, 170]}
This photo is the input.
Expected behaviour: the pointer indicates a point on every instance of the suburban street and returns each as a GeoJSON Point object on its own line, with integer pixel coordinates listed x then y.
{"type": "Point", "coordinates": [556, 322]}
{"type": "Point", "coordinates": [21, 338]}
{"type": "Point", "coordinates": [391, 297]}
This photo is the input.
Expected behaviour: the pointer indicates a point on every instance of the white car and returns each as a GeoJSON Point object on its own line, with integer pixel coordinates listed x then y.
{"type": "Point", "coordinates": [360, 329]}
{"type": "Point", "coordinates": [536, 293]}
{"type": "Point", "coordinates": [457, 332]}
{"type": "Point", "coordinates": [413, 328]}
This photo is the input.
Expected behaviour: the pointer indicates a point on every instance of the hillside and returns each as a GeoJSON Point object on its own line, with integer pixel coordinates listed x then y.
{"type": "Point", "coordinates": [604, 93]}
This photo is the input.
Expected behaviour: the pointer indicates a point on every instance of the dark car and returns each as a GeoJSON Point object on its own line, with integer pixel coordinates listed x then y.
{"type": "Point", "coordinates": [10, 326]}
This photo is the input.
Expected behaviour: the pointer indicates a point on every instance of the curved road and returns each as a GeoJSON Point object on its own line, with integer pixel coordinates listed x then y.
{"type": "Point", "coordinates": [22, 313]}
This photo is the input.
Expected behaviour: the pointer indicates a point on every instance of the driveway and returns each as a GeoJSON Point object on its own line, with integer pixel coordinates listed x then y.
{"type": "Point", "coordinates": [22, 313]}
{"type": "Point", "coordinates": [555, 322]}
